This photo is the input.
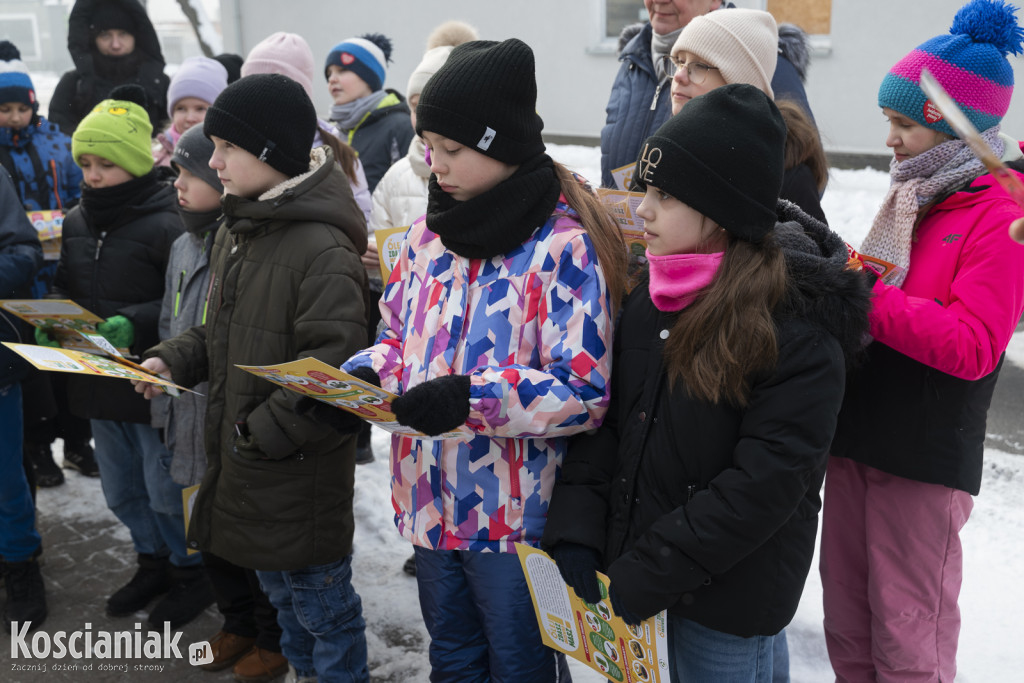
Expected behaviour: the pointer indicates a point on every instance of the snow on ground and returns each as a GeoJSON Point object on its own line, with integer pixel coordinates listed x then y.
{"type": "Point", "coordinates": [991, 601]}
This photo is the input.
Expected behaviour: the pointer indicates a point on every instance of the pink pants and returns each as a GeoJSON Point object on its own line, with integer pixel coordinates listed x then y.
{"type": "Point", "coordinates": [891, 567]}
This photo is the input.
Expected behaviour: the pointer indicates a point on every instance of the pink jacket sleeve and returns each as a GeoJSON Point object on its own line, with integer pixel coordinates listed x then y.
{"type": "Point", "coordinates": [960, 327]}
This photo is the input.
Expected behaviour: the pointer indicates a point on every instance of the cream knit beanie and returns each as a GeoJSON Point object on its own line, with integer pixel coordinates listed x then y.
{"type": "Point", "coordinates": [742, 43]}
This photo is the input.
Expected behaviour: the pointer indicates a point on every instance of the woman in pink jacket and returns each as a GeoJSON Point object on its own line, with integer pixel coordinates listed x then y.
{"type": "Point", "coordinates": [907, 454]}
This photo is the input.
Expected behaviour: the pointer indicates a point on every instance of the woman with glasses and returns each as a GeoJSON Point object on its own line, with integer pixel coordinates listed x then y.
{"type": "Point", "coordinates": [741, 46]}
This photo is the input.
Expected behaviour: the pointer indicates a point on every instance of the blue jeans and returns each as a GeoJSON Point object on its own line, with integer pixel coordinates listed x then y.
{"type": "Point", "coordinates": [698, 654]}
{"type": "Point", "coordinates": [321, 617]}
{"type": "Point", "coordinates": [481, 620]}
{"type": "Point", "coordinates": [136, 479]}
{"type": "Point", "coordinates": [18, 536]}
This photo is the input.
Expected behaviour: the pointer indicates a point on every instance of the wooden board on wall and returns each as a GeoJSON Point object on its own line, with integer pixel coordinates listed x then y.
{"type": "Point", "coordinates": [813, 16]}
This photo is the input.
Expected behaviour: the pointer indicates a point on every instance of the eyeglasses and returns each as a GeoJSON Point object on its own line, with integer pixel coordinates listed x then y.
{"type": "Point", "coordinates": [697, 72]}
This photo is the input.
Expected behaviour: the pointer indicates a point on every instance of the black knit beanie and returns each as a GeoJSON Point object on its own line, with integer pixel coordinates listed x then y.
{"type": "Point", "coordinates": [722, 155]}
{"type": "Point", "coordinates": [485, 97]}
{"type": "Point", "coordinates": [268, 115]}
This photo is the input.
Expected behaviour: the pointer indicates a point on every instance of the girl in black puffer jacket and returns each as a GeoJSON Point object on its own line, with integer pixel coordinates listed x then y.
{"type": "Point", "coordinates": [699, 494]}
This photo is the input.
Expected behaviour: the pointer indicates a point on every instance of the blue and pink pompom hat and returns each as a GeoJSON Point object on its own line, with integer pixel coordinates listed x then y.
{"type": "Point", "coordinates": [970, 62]}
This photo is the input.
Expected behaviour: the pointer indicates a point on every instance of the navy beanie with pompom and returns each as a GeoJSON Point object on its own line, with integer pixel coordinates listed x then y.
{"type": "Point", "coordinates": [15, 84]}
{"type": "Point", "coordinates": [366, 56]}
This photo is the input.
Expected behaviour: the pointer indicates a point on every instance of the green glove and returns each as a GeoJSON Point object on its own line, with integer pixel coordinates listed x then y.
{"type": "Point", "coordinates": [44, 339]}
{"type": "Point", "coordinates": [118, 330]}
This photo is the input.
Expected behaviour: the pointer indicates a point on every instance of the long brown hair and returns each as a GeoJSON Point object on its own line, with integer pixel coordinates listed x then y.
{"type": "Point", "coordinates": [728, 333]}
{"type": "Point", "coordinates": [603, 230]}
{"type": "Point", "coordinates": [344, 155]}
{"type": "Point", "coordinates": [803, 143]}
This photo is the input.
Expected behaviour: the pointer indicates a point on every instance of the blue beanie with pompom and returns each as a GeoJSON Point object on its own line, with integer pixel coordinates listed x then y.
{"type": "Point", "coordinates": [970, 63]}
{"type": "Point", "coordinates": [366, 56]}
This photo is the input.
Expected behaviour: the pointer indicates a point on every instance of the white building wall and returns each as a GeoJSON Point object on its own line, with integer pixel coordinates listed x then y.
{"type": "Point", "coordinates": [575, 70]}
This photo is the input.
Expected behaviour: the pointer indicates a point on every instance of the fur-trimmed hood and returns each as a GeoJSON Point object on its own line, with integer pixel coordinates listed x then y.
{"type": "Point", "coordinates": [823, 290]}
{"type": "Point", "coordinates": [321, 194]}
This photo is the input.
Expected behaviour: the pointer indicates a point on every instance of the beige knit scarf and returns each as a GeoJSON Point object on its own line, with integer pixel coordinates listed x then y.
{"type": "Point", "coordinates": [914, 183]}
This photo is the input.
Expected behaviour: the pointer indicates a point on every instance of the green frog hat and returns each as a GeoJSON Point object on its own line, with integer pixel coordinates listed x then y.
{"type": "Point", "coordinates": [118, 129]}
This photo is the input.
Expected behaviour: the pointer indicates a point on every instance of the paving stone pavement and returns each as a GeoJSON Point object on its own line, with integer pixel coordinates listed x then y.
{"type": "Point", "coordinates": [88, 554]}
{"type": "Point", "coordinates": [84, 561]}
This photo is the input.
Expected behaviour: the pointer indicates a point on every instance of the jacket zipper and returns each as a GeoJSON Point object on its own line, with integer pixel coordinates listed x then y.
{"type": "Point", "coordinates": [177, 296]}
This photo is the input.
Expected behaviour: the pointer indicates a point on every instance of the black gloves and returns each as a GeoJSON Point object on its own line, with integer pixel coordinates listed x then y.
{"type": "Point", "coordinates": [621, 609]}
{"type": "Point", "coordinates": [341, 421]}
{"type": "Point", "coordinates": [578, 564]}
{"type": "Point", "coordinates": [436, 406]}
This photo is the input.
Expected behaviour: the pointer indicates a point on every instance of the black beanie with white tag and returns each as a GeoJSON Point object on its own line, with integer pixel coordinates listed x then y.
{"type": "Point", "coordinates": [268, 115]}
{"type": "Point", "coordinates": [485, 97]}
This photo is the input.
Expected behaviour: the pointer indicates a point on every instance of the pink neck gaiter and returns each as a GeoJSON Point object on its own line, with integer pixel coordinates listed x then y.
{"type": "Point", "coordinates": [675, 279]}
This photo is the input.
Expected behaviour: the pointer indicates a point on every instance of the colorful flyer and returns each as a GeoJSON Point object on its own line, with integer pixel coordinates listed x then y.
{"type": "Point", "coordinates": [622, 205]}
{"type": "Point", "coordinates": [50, 226]}
{"type": "Point", "coordinates": [623, 176]}
{"type": "Point", "coordinates": [66, 360]}
{"type": "Point", "coordinates": [592, 633]}
{"type": "Point", "coordinates": [886, 271]}
{"type": "Point", "coordinates": [389, 246]}
{"type": "Point", "coordinates": [311, 377]}
{"type": "Point", "coordinates": [72, 326]}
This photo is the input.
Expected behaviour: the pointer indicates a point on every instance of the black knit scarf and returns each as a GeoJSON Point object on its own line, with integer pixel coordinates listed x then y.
{"type": "Point", "coordinates": [108, 208]}
{"type": "Point", "coordinates": [500, 219]}
{"type": "Point", "coordinates": [200, 222]}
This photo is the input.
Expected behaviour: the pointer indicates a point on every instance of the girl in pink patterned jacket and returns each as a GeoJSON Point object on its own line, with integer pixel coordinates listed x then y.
{"type": "Point", "coordinates": [499, 316]}
{"type": "Point", "coordinates": [908, 448]}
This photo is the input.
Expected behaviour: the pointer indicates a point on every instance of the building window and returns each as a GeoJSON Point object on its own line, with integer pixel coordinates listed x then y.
{"type": "Point", "coordinates": [813, 16]}
{"type": "Point", "coordinates": [621, 13]}
{"type": "Point", "coordinates": [22, 30]}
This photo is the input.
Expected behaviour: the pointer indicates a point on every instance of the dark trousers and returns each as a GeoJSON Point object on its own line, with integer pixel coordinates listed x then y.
{"type": "Point", "coordinates": [47, 414]}
{"type": "Point", "coordinates": [247, 611]}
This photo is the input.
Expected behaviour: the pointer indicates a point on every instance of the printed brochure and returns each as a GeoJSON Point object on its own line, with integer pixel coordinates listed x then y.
{"type": "Point", "coordinates": [389, 246]}
{"type": "Point", "coordinates": [590, 633]}
{"type": "Point", "coordinates": [622, 206]}
{"type": "Point", "coordinates": [73, 327]}
{"type": "Point", "coordinates": [311, 377]}
{"type": "Point", "coordinates": [50, 226]}
{"type": "Point", "coordinates": [66, 360]}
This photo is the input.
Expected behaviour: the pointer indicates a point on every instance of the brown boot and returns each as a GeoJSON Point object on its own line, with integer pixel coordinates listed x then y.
{"type": "Point", "coordinates": [260, 666]}
{"type": "Point", "coordinates": [226, 649]}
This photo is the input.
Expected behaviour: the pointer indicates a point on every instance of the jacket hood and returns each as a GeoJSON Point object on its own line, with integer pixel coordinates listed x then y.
{"type": "Point", "coordinates": [631, 31]}
{"type": "Point", "coordinates": [823, 290]}
{"type": "Point", "coordinates": [80, 35]}
{"type": "Point", "coordinates": [322, 195]}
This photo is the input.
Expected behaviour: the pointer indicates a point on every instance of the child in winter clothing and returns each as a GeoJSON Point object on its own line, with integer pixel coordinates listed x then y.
{"type": "Point", "coordinates": [289, 54]}
{"type": "Point", "coordinates": [194, 86]}
{"type": "Point", "coordinates": [512, 243]}
{"type": "Point", "coordinates": [741, 46]}
{"type": "Point", "coordinates": [38, 156]}
{"type": "Point", "coordinates": [250, 628]}
{"type": "Point", "coordinates": [907, 454]}
{"type": "Point", "coordinates": [374, 121]}
{"type": "Point", "coordinates": [113, 259]}
{"type": "Point", "coordinates": [286, 283]}
{"type": "Point", "coordinates": [699, 493]}
{"type": "Point", "coordinates": [20, 257]}
{"type": "Point", "coordinates": [401, 195]}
